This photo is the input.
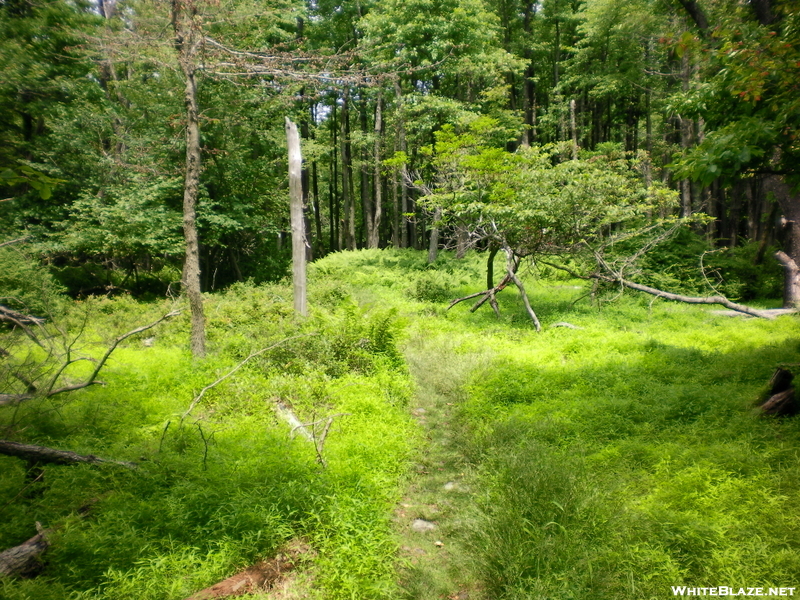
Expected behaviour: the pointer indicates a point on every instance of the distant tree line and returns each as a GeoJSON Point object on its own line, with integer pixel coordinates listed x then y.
{"type": "Point", "coordinates": [700, 97]}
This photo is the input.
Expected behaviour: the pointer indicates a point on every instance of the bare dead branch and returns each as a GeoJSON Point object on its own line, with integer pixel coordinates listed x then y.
{"type": "Point", "coordinates": [236, 368]}
{"type": "Point", "coordinates": [512, 274]}
{"type": "Point", "coordinates": [42, 454]}
{"type": "Point", "coordinates": [6, 399]}
{"type": "Point", "coordinates": [614, 278]}
{"type": "Point", "coordinates": [121, 338]}
{"type": "Point", "coordinates": [16, 241]}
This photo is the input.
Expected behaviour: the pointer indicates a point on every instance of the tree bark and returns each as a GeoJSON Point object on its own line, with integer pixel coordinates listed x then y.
{"type": "Point", "coordinates": [462, 241]}
{"type": "Point", "coordinates": [790, 207]}
{"type": "Point", "coordinates": [574, 128]}
{"type": "Point", "coordinates": [696, 13]}
{"type": "Point", "coordinates": [791, 280]}
{"type": "Point", "coordinates": [374, 239]}
{"type": "Point", "coordinates": [433, 245]}
{"type": "Point", "coordinates": [187, 44]}
{"type": "Point", "coordinates": [347, 179]}
{"type": "Point", "coordinates": [367, 199]}
{"type": "Point", "coordinates": [401, 134]}
{"type": "Point", "coordinates": [43, 455]}
{"type": "Point", "coordinates": [24, 559]}
{"type": "Point", "coordinates": [297, 222]}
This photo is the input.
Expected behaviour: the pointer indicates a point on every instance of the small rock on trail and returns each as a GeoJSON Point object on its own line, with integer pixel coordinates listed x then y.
{"type": "Point", "coordinates": [421, 525]}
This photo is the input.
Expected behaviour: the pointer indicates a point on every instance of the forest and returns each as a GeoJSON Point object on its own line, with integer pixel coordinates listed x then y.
{"type": "Point", "coordinates": [422, 299]}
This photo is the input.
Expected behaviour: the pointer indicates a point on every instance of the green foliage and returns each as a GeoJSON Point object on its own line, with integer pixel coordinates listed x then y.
{"type": "Point", "coordinates": [687, 263]}
{"type": "Point", "coordinates": [26, 286]}
{"type": "Point", "coordinates": [431, 287]}
{"type": "Point", "coordinates": [623, 459]}
{"type": "Point", "coordinates": [215, 492]}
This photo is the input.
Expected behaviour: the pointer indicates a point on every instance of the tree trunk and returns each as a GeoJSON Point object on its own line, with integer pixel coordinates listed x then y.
{"type": "Point", "coordinates": [433, 246]}
{"type": "Point", "coordinates": [374, 240]}
{"type": "Point", "coordinates": [347, 179]}
{"type": "Point", "coordinates": [686, 140]}
{"type": "Point", "coordinates": [574, 127]}
{"type": "Point", "coordinates": [401, 134]}
{"type": "Point", "coordinates": [187, 43]}
{"type": "Point", "coordinates": [333, 187]}
{"type": "Point", "coordinates": [297, 221]}
{"type": "Point", "coordinates": [790, 260]}
{"type": "Point", "coordinates": [462, 241]}
{"type": "Point", "coordinates": [367, 199]}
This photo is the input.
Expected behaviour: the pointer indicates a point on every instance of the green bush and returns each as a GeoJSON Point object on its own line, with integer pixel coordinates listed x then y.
{"type": "Point", "coordinates": [27, 286]}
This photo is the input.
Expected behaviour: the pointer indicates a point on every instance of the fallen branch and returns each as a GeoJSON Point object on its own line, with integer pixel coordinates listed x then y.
{"type": "Point", "coordinates": [16, 241]}
{"type": "Point", "coordinates": [285, 413]}
{"type": "Point", "coordinates": [308, 430]}
{"type": "Point", "coordinates": [773, 312]}
{"type": "Point", "coordinates": [511, 267]}
{"type": "Point", "coordinates": [22, 321]}
{"type": "Point", "coordinates": [24, 559]}
{"type": "Point", "coordinates": [236, 368]}
{"type": "Point", "coordinates": [42, 454]}
{"type": "Point", "coordinates": [6, 399]}
{"type": "Point", "coordinates": [18, 318]}
{"type": "Point", "coordinates": [614, 278]}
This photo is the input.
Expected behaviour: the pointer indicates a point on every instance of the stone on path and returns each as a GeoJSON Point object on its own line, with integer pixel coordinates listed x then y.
{"type": "Point", "coordinates": [421, 526]}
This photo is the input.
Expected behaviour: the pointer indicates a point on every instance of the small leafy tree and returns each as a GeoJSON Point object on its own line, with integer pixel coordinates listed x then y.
{"type": "Point", "coordinates": [534, 204]}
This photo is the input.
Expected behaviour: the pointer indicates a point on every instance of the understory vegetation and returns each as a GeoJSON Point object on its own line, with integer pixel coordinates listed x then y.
{"type": "Point", "coordinates": [612, 460]}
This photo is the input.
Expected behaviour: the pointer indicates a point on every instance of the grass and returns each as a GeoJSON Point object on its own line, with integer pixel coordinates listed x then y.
{"type": "Point", "coordinates": [226, 486]}
{"type": "Point", "coordinates": [608, 462]}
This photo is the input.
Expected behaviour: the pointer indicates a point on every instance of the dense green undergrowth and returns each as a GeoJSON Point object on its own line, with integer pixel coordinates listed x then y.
{"type": "Point", "coordinates": [611, 461]}
{"type": "Point", "coordinates": [226, 485]}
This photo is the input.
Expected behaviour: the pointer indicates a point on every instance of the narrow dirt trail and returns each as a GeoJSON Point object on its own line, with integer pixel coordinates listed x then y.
{"type": "Point", "coordinates": [436, 515]}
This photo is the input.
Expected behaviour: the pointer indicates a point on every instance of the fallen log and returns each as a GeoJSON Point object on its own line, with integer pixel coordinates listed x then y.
{"type": "Point", "coordinates": [773, 312]}
{"type": "Point", "coordinates": [782, 400]}
{"type": "Point", "coordinates": [261, 576]}
{"type": "Point", "coordinates": [781, 404]}
{"type": "Point", "coordinates": [42, 454]}
{"type": "Point", "coordinates": [613, 277]}
{"type": "Point", "coordinates": [25, 559]}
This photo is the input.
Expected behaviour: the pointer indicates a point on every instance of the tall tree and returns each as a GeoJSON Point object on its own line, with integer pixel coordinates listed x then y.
{"type": "Point", "coordinates": [188, 42]}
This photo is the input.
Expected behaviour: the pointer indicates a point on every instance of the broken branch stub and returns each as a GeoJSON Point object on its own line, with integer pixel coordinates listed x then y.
{"type": "Point", "coordinates": [25, 558]}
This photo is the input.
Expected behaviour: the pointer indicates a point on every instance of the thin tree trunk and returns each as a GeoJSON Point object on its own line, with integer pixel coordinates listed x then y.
{"type": "Point", "coordinates": [686, 141]}
{"type": "Point", "coordinates": [401, 134]}
{"type": "Point", "coordinates": [574, 128]}
{"type": "Point", "coordinates": [333, 186]}
{"type": "Point", "coordinates": [367, 200]}
{"type": "Point", "coordinates": [187, 43]}
{"type": "Point", "coordinates": [297, 221]}
{"type": "Point", "coordinates": [374, 239]}
{"type": "Point", "coordinates": [347, 179]}
{"type": "Point", "coordinates": [462, 241]}
{"type": "Point", "coordinates": [433, 247]}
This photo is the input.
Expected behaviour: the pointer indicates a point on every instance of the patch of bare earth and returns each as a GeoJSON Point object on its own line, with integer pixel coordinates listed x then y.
{"type": "Point", "coordinates": [279, 577]}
